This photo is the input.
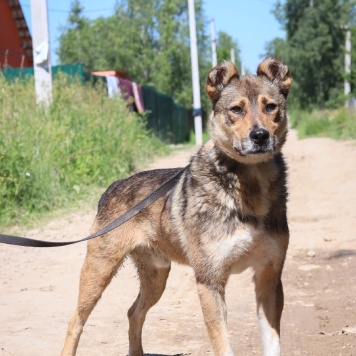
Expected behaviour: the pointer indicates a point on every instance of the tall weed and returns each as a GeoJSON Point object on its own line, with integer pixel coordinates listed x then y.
{"type": "Point", "coordinates": [338, 124]}
{"type": "Point", "coordinates": [49, 158]}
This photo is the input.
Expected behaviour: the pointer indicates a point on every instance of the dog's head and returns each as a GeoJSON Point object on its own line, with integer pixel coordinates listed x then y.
{"type": "Point", "coordinates": [249, 121]}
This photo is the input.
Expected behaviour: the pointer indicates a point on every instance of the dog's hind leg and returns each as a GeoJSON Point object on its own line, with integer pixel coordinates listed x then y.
{"type": "Point", "coordinates": [153, 269]}
{"type": "Point", "coordinates": [104, 256]}
{"type": "Point", "coordinates": [269, 297]}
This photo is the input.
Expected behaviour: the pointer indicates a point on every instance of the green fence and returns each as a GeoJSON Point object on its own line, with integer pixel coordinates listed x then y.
{"type": "Point", "coordinates": [75, 70]}
{"type": "Point", "coordinates": [168, 120]}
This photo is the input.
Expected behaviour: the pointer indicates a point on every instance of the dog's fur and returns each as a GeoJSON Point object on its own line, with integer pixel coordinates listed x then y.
{"type": "Point", "coordinates": [226, 213]}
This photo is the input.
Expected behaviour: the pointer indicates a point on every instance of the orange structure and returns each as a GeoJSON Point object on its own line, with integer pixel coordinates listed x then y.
{"type": "Point", "coordinates": [15, 38]}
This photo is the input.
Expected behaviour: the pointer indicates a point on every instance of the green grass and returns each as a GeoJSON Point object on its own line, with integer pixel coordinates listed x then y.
{"type": "Point", "coordinates": [338, 124]}
{"type": "Point", "coordinates": [53, 158]}
{"type": "Point", "coordinates": [206, 137]}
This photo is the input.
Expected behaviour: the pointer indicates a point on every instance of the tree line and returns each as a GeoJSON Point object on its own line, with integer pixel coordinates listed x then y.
{"type": "Point", "coordinates": [314, 49]}
{"type": "Point", "coordinates": [150, 40]}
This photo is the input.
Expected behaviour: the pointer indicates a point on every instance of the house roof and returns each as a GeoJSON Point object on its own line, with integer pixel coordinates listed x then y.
{"type": "Point", "coordinates": [120, 73]}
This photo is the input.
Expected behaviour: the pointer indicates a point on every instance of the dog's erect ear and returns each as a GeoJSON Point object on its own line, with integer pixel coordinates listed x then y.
{"type": "Point", "coordinates": [219, 77]}
{"type": "Point", "coordinates": [276, 71]}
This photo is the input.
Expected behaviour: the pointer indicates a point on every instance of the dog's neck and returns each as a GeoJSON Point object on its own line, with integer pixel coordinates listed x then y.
{"type": "Point", "coordinates": [215, 158]}
{"type": "Point", "coordinates": [247, 185]}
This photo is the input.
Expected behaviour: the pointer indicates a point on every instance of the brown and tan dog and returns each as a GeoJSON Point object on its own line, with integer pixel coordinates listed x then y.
{"type": "Point", "coordinates": [227, 213]}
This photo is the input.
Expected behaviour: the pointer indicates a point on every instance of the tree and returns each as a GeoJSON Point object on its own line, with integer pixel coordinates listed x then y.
{"type": "Point", "coordinates": [278, 48]}
{"type": "Point", "coordinates": [314, 47]}
{"type": "Point", "coordinates": [353, 60]}
{"type": "Point", "coordinates": [223, 48]}
{"type": "Point", "coordinates": [147, 38]}
{"type": "Point", "coordinates": [73, 41]}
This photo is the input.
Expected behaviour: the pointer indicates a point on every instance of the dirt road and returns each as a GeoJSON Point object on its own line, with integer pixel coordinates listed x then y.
{"type": "Point", "coordinates": [39, 287]}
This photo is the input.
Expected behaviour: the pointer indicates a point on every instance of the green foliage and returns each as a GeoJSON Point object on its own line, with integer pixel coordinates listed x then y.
{"type": "Point", "coordinates": [278, 48]}
{"type": "Point", "coordinates": [223, 48]}
{"type": "Point", "coordinates": [75, 44]}
{"type": "Point", "coordinates": [147, 38]}
{"type": "Point", "coordinates": [192, 138]}
{"type": "Point", "coordinates": [49, 158]}
{"type": "Point", "coordinates": [353, 60]}
{"type": "Point", "coordinates": [75, 19]}
{"type": "Point", "coordinates": [338, 124]}
{"type": "Point", "coordinates": [314, 48]}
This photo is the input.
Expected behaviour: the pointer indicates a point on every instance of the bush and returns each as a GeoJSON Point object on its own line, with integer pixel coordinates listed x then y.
{"type": "Point", "coordinates": [49, 158]}
{"type": "Point", "coordinates": [338, 124]}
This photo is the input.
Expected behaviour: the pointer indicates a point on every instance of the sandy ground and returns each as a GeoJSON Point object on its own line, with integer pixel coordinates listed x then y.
{"type": "Point", "coordinates": [39, 286]}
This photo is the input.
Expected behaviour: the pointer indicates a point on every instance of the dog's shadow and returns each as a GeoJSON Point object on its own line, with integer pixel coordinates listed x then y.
{"type": "Point", "coordinates": [167, 355]}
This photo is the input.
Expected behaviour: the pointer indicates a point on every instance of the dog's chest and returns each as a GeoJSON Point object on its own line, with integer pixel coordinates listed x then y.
{"type": "Point", "coordinates": [235, 229]}
{"type": "Point", "coordinates": [232, 248]}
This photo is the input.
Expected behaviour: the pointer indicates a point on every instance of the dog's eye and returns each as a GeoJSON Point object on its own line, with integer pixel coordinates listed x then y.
{"type": "Point", "coordinates": [270, 107]}
{"type": "Point", "coordinates": [238, 110]}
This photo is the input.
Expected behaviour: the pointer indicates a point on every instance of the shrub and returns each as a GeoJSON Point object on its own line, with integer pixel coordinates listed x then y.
{"type": "Point", "coordinates": [51, 157]}
{"type": "Point", "coordinates": [338, 124]}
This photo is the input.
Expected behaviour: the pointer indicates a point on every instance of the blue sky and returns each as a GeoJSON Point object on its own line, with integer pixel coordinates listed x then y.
{"type": "Point", "coordinates": [250, 22]}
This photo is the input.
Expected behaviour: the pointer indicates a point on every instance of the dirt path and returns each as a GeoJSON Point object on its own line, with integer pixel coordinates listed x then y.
{"type": "Point", "coordinates": [39, 287]}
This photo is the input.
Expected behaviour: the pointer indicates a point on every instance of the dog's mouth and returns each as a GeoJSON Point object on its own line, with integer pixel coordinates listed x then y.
{"type": "Point", "coordinates": [238, 151]}
{"type": "Point", "coordinates": [249, 148]}
{"type": "Point", "coordinates": [255, 151]}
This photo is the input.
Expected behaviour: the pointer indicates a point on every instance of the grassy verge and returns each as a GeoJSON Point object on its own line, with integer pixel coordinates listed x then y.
{"type": "Point", "coordinates": [338, 124]}
{"type": "Point", "coordinates": [206, 137]}
{"type": "Point", "coordinates": [52, 158]}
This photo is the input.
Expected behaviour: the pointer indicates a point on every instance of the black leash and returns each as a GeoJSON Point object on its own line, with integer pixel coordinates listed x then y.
{"type": "Point", "coordinates": [164, 188]}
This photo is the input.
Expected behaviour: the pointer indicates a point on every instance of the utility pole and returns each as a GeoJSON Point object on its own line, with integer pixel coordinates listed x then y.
{"type": "Point", "coordinates": [41, 52]}
{"type": "Point", "coordinates": [243, 71]}
{"type": "Point", "coordinates": [232, 55]}
{"type": "Point", "coordinates": [214, 60]}
{"type": "Point", "coordinates": [198, 127]}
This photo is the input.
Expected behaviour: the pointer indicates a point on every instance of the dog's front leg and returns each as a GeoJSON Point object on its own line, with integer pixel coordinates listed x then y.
{"type": "Point", "coordinates": [270, 300]}
{"type": "Point", "coordinates": [212, 299]}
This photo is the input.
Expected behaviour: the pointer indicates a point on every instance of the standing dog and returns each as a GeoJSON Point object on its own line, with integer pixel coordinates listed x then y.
{"type": "Point", "coordinates": [226, 213]}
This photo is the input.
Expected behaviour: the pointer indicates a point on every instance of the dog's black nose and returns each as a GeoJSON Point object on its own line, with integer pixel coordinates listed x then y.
{"type": "Point", "coordinates": [259, 136]}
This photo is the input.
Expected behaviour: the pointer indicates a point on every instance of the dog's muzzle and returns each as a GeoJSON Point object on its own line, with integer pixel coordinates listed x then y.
{"type": "Point", "coordinates": [259, 141]}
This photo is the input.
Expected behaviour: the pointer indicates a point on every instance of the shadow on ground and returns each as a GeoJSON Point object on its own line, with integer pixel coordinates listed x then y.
{"type": "Point", "coordinates": [342, 253]}
{"type": "Point", "coordinates": [166, 354]}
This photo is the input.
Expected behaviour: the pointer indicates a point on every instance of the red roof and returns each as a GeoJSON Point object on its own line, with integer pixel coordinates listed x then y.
{"type": "Point", "coordinates": [120, 73]}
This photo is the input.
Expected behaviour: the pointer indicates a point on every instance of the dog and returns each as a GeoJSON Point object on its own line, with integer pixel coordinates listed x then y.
{"type": "Point", "coordinates": [226, 213]}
